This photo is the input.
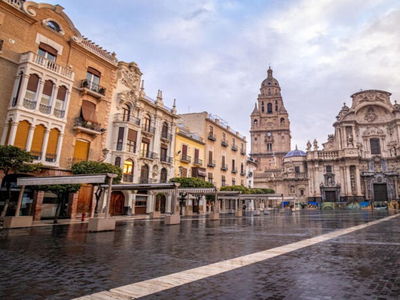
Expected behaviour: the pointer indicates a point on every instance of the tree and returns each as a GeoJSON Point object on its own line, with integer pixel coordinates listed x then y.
{"type": "Point", "coordinates": [261, 191]}
{"type": "Point", "coordinates": [191, 182]}
{"type": "Point", "coordinates": [238, 188]}
{"type": "Point", "coordinates": [60, 190]}
{"type": "Point", "coordinates": [94, 167]}
{"type": "Point", "coordinates": [14, 159]}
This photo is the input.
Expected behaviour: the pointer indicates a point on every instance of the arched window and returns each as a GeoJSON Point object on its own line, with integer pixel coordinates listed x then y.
{"type": "Point", "coordinates": [45, 102]}
{"type": "Point", "coordinates": [255, 122]}
{"type": "Point", "coordinates": [164, 131]}
{"type": "Point", "coordinates": [262, 107]}
{"type": "Point", "coordinates": [328, 169]}
{"type": "Point", "coordinates": [118, 161]}
{"type": "Point", "coordinates": [269, 108]}
{"type": "Point", "coordinates": [59, 105]}
{"type": "Point", "coordinates": [31, 91]}
{"type": "Point", "coordinates": [128, 170]}
{"type": "Point", "coordinates": [37, 142]}
{"type": "Point", "coordinates": [164, 175]}
{"type": "Point", "coordinates": [144, 174]}
{"type": "Point", "coordinates": [22, 134]}
{"type": "Point", "coordinates": [282, 121]}
{"type": "Point", "coordinates": [276, 105]}
{"type": "Point", "coordinates": [126, 110]}
{"type": "Point", "coordinates": [147, 123]}
{"type": "Point", "coordinates": [51, 151]}
{"type": "Point", "coordinates": [53, 25]}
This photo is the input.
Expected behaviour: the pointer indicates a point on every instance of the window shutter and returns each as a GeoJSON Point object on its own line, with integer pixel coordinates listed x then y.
{"type": "Point", "coordinates": [48, 88]}
{"type": "Point", "coordinates": [81, 150]}
{"type": "Point", "coordinates": [89, 111]}
{"type": "Point", "coordinates": [184, 150]}
{"type": "Point", "coordinates": [38, 136]}
{"type": "Point", "coordinates": [62, 92]}
{"type": "Point", "coordinates": [22, 135]}
{"type": "Point", "coordinates": [53, 141]}
{"type": "Point", "coordinates": [94, 71]}
{"type": "Point", "coordinates": [132, 135]}
{"type": "Point", "coordinates": [33, 83]}
{"type": "Point", "coordinates": [48, 49]}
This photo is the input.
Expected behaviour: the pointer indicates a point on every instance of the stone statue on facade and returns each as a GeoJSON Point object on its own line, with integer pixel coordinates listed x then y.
{"type": "Point", "coordinates": [308, 146]}
{"type": "Point", "coordinates": [315, 143]}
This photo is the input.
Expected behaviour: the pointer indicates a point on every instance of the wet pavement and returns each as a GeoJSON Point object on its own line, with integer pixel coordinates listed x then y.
{"type": "Point", "coordinates": [63, 262]}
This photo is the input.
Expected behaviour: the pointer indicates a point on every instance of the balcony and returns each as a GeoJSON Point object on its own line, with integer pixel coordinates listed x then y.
{"type": "Point", "coordinates": [145, 180]}
{"type": "Point", "coordinates": [46, 64]}
{"type": "Point", "coordinates": [81, 125]}
{"type": "Point", "coordinates": [224, 143]}
{"type": "Point", "coordinates": [93, 89]}
{"type": "Point", "coordinates": [45, 109]}
{"type": "Point", "coordinates": [242, 151]}
{"type": "Point", "coordinates": [59, 113]}
{"type": "Point", "coordinates": [29, 104]}
{"type": "Point", "coordinates": [212, 137]}
{"type": "Point", "coordinates": [198, 161]}
{"type": "Point", "coordinates": [147, 154]}
{"type": "Point", "coordinates": [234, 147]}
{"type": "Point", "coordinates": [234, 171]}
{"type": "Point", "coordinates": [211, 163]}
{"type": "Point", "coordinates": [148, 129]}
{"type": "Point", "coordinates": [127, 178]}
{"type": "Point", "coordinates": [130, 119]}
{"type": "Point", "coordinates": [186, 158]}
{"type": "Point", "coordinates": [166, 136]}
{"type": "Point", "coordinates": [166, 159]}
{"type": "Point", "coordinates": [224, 167]}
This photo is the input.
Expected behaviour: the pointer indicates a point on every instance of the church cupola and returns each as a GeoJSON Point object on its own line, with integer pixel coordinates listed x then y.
{"type": "Point", "coordinates": [270, 86]}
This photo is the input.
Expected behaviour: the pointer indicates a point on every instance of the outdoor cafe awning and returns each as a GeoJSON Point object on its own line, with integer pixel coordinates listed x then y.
{"type": "Point", "coordinates": [73, 179]}
{"type": "Point", "coordinates": [144, 186]}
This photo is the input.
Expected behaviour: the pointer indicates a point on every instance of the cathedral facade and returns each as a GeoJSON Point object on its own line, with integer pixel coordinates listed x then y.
{"type": "Point", "coordinates": [357, 164]}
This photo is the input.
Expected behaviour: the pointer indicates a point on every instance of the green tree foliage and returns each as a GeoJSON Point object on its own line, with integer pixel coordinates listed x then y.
{"type": "Point", "coordinates": [237, 188]}
{"type": "Point", "coordinates": [94, 167]}
{"type": "Point", "coordinates": [18, 161]}
{"type": "Point", "coordinates": [191, 182]}
{"type": "Point", "coordinates": [261, 191]}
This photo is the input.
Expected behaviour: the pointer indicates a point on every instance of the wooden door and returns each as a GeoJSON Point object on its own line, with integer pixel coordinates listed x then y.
{"type": "Point", "coordinates": [85, 198]}
{"type": "Point", "coordinates": [380, 192]}
{"type": "Point", "coordinates": [117, 203]}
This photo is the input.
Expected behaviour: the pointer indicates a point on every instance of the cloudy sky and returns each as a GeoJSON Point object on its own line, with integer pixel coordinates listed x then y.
{"type": "Point", "coordinates": [212, 55]}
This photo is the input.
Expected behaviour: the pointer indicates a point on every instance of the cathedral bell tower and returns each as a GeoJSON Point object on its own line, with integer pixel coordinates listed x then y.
{"type": "Point", "coordinates": [270, 127]}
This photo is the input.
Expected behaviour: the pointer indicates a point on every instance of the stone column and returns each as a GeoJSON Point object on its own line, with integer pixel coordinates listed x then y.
{"type": "Point", "coordinates": [348, 183]}
{"type": "Point", "coordinates": [39, 94]}
{"type": "Point", "coordinates": [73, 204]}
{"type": "Point", "coordinates": [30, 138]}
{"type": "Point", "coordinates": [59, 146]}
{"type": "Point", "coordinates": [22, 90]}
{"type": "Point", "coordinates": [5, 131]}
{"type": "Point", "coordinates": [134, 193]}
{"type": "Point", "coordinates": [150, 202]}
{"type": "Point", "coordinates": [168, 203]}
{"type": "Point", "coordinates": [13, 133]}
{"type": "Point", "coordinates": [44, 145]}
{"type": "Point", "coordinates": [358, 181]}
{"type": "Point", "coordinates": [124, 141]}
{"type": "Point", "coordinates": [37, 205]}
{"type": "Point", "coordinates": [52, 99]}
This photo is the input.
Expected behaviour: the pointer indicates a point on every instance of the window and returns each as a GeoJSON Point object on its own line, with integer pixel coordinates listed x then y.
{"type": "Point", "coordinates": [301, 192]}
{"type": "Point", "coordinates": [196, 156]}
{"type": "Point", "coordinates": [128, 170]}
{"type": "Point", "coordinates": [269, 108]}
{"type": "Point", "coordinates": [233, 165]}
{"type": "Point", "coordinates": [51, 151]}
{"type": "Point", "coordinates": [147, 123]}
{"type": "Point", "coordinates": [145, 147]}
{"type": "Point", "coordinates": [144, 174]}
{"type": "Point", "coordinates": [164, 131]}
{"type": "Point", "coordinates": [233, 142]}
{"type": "Point", "coordinates": [60, 99]}
{"type": "Point", "coordinates": [46, 96]}
{"type": "Point", "coordinates": [223, 183]}
{"type": "Point", "coordinates": [32, 87]}
{"type": "Point", "coordinates": [22, 134]}
{"type": "Point", "coordinates": [262, 107]}
{"type": "Point", "coordinates": [241, 168]}
{"type": "Point", "coordinates": [131, 142]}
{"type": "Point", "coordinates": [233, 181]}
{"type": "Point", "coordinates": [164, 153]}
{"type": "Point", "coordinates": [223, 162]}
{"type": "Point", "coordinates": [47, 52]}
{"type": "Point", "coordinates": [282, 121]}
{"type": "Point", "coordinates": [296, 170]}
{"type": "Point", "coordinates": [163, 175]}
{"type": "Point", "coordinates": [126, 111]}
{"type": "Point", "coordinates": [375, 146]}
{"type": "Point", "coordinates": [255, 122]}
{"type": "Point", "coordinates": [269, 147]}
{"type": "Point", "coordinates": [120, 140]}
{"type": "Point", "coordinates": [210, 177]}
{"type": "Point", "coordinates": [211, 132]}
{"type": "Point", "coordinates": [118, 161]}
{"type": "Point", "coordinates": [81, 151]}
{"type": "Point", "coordinates": [93, 79]}
{"type": "Point", "coordinates": [276, 105]}
{"type": "Point", "coordinates": [210, 158]}
{"type": "Point", "coordinates": [328, 169]}
{"type": "Point", "coordinates": [223, 137]}
{"type": "Point", "coordinates": [183, 172]}
{"type": "Point", "coordinates": [53, 25]}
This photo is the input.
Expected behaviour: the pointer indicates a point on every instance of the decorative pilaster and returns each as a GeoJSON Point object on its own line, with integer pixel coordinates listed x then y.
{"type": "Point", "coordinates": [30, 138]}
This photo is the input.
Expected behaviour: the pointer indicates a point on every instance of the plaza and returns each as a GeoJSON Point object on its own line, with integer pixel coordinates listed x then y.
{"type": "Point", "coordinates": [308, 254]}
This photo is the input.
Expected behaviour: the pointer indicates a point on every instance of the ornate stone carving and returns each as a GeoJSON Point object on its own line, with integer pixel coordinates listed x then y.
{"type": "Point", "coordinates": [126, 97]}
{"type": "Point", "coordinates": [130, 79]}
{"type": "Point", "coordinates": [308, 146]}
{"type": "Point", "coordinates": [315, 143]}
{"type": "Point", "coordinates": [370, 116]}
